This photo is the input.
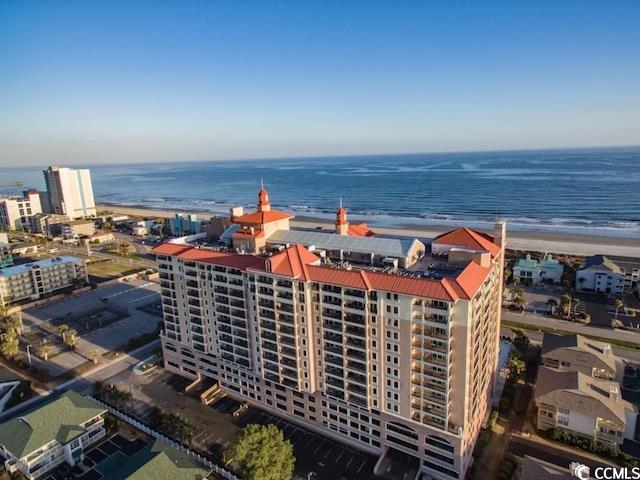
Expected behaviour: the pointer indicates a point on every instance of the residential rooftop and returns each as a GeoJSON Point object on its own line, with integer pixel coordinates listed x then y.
{"type": "Point", "coordinates": [386, 247]}
{"type": "Point", "coordinates": [566, 347]}
{"type": "Point", "coordinates": [157, 461]}
{"type": "Point", "coordinates": [577, 391]}
{"type": "Point", "coordinates": [47, 262]}
{"type": "Point", "coordinates": [59, 419]}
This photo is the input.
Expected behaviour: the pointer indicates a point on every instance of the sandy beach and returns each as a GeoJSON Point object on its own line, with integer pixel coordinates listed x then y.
{"type": "Point", "coordinates": [559, 243]}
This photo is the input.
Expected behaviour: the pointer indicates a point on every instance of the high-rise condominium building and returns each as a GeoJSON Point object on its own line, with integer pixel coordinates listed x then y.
{"type": "Point", "coordinates": [70, 192]}
{"type": "Point", "coordinates": [15, 211]}
{"type": "Point", "coordinates": [387, 345]}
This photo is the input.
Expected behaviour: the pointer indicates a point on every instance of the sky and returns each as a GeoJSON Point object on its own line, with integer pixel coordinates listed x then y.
{"type": "Point", "coordinates": [93, 82]}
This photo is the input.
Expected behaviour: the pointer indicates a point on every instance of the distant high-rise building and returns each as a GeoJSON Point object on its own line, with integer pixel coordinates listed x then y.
{"type": "Point", "coordinates": [15, 211]}
{"type": "Point", "coordinates": [70, 192]}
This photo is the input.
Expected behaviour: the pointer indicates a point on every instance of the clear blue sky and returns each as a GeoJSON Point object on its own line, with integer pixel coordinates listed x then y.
{"type": "Point", "coordinates": [93, 82]}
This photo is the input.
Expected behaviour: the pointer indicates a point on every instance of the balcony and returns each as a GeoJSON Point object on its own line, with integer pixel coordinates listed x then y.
{"type": "Point", "coordinates": [357, 377]}
{"type": "Point", "coordinates": [329, 347]}
{"type": "Point", "coordinates": [336, 372]}
{"type": "Point", "coordinates": [356, 343]}
{"type": "Point", "coordinates": [358, 366]}
{"type": "Point", "coordinates": [283, 307]}
{"type": "Point", "coordinates": [284, 295]}
{"type": "Point", "coordinates": [333, 360]}
{"type": "Point", "coordinates": [330, 313]}
{"type": "Point", "coordinates": [354, 293]}
{"type": "Point", "coordinates": [331, 300]}
{"type": "Point", "coordinates": [357, 389]}
{"type": "Point", "coordinates": [356, 354]}
{"type": "Point", "coordinates": [331, 337]}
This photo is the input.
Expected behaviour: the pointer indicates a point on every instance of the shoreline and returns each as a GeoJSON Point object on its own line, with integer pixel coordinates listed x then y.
{"type": "Point", "coordinates": [544, 242]}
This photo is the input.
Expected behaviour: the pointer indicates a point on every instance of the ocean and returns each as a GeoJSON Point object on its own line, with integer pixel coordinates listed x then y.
{"type": "Point", "coordinates": [570, 191]}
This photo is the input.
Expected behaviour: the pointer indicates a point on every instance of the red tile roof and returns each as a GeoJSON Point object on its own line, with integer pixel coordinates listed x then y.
{"type": "Point", "coordinates": [260, 218]}
{"type": "Point", "coordinates": [472, 278]}
{"type": "Point", "coordinates": [468, 238]}
{"type": "Point", "coordinates": [293, 262]}
{"type": "Point", "coordinates": [360, 230]}
{"type": "Point", "coordinates": [298, 262]}
{"type": "Point", "coordinates": [170, 248]}
{"type": "Point", "coordinates": [226, 259]}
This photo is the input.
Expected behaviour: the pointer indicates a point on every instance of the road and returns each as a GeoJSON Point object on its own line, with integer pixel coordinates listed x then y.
{"type": "Point", "coordinates": [538, 321]}
{"type": "Point", "coordinates": [84, 382]}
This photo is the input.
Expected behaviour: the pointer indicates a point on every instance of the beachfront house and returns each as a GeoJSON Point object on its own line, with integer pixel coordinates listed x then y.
{"type": "Point", "coordinates": [59, 431]}
{"type": "Point", "coordinates": [601, 274]}
{"type": "Point", "coordinates": [532, 272]}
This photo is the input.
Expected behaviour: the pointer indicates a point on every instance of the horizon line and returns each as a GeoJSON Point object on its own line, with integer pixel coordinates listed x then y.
{"type": "Point", "coordinates": [332, 156]}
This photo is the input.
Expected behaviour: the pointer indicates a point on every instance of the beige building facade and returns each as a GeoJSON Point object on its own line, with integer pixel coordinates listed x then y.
{"type": "Point", "coordinates": [378, 359]}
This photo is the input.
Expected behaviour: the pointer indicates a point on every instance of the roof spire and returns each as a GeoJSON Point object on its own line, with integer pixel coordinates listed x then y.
{"type": "Point", "coordinates": [340, 202]}
{"type": "Point", "coordinates": [262, 183]}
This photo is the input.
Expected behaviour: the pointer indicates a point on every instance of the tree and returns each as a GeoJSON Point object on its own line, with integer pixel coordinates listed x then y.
{"type": "Point", "coordinates": [516, 367]}
{"type": "Point", "coordinates": [94, 356]}
{"type": "Point", "coordinates": [44, 351]}
{"type": "Point", "coordinates": [14, 324]}
{"type": "Point", "coordinates": [10, 346]}
{"type": "Point", "coordinates": [71, 338]}
{"type": "Point", "coordinates": [565, 303]}
{"type": "Point", "coordinates": [260, 452]}
{"type": "Point", "coordinates": [618, 304]}
{"type": "Point", "coordinates": [123, 249]}
{"type": "Point", "coordinates": [62, 330]}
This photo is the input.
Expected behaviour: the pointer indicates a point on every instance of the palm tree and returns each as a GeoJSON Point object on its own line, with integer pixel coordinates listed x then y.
{"type": "Point", "coordinates": [10, 346]}
{"type": "Point", "coordinates": [71, 338]}
{"type": "Point", "coordinates": [14, 325]}
{"type": "Point", "coordinates": [62, 330]}
{"type": "Point", "coordinates": [566, 304]}
{"type": "Point", "coordinates": [44, 351]}
{"type": "Point", "coordinates": [94, 355]}
{"type": "Point", "coordinates": [123, 249]}
{"type": "Point", "coordinates": [618, 304]}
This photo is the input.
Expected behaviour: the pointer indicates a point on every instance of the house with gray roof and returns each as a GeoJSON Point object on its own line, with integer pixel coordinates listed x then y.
{"type": "Point", "coordinates": [58, 431]}
{"type": "Point", "coordinates": [601, 274]}
{"type": "Point", "coordinates": [533, 468]}
{"type": "Point", "coordinates": [577, 353]}
{"type": "Point", "coordinates": [583, 405]}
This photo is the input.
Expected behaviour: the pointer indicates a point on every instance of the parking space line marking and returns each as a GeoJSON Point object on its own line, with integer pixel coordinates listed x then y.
{"type": "Point", "coordinates": [340, 456]}
{"type": "Point", "coordinates": [318, 447]}
{"type": "Point", "coordinates": [350, 460]}
{"type": "Point", "coordinates": [362, 465]}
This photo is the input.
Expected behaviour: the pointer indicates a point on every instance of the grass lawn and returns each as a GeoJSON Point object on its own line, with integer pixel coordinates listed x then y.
{"type": "Point", "coordinates": [109, 269]}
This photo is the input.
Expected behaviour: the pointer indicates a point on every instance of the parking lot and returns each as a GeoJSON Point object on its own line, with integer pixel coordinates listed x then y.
{"type": "Point", "coordinates": [216, 426]}
{"type": "Point", "coordinates": [104, 319]}
{"type": "Point", "coordinates": [315, 454]}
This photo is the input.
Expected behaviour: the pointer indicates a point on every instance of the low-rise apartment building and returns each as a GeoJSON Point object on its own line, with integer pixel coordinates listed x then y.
{"type": "Point", "coordinates": [59, 431]}
{"type": "Point", "coordinates": [379, 357]}
{"type": "Point", "coordinates": [583, 405]}
{"type": "Point", "coordinates": [609, 274]}
{"type": "Point", "coordinates": [48, 224]}
{"type": "Point", "coordinates": [578, 353]}
{"type": "Point", "coordinates": [77, 228]}
{"type": "Point", "coordinates": [15, 211]}
{"type": "Point", "coordinates": [32, 280]}
{"type": "Point", "coordinates": [532, 272]}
